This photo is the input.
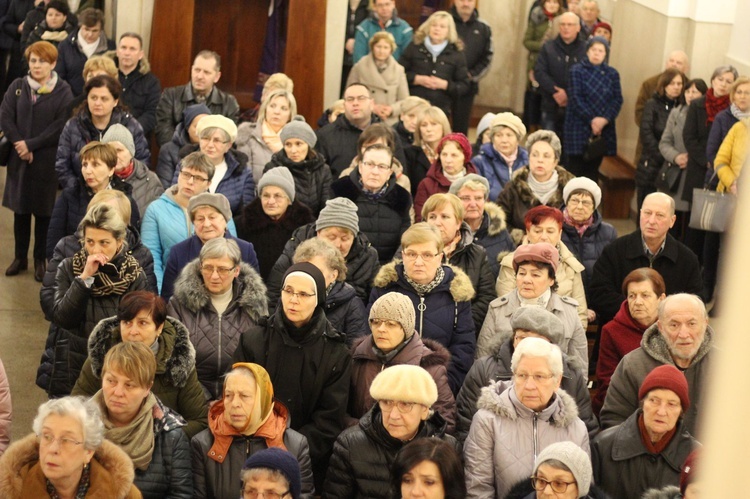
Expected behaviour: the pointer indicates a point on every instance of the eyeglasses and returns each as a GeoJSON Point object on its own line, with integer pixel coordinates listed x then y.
{"type": "Point", "coordinates": [380, 166]}
{"type": "Point", "coordinates": [276, 197]}
{"type": "Point", "coordinates": [300, 296]}
{"type": "Point", "coordinates": [557, 485]}
{"type": "Point", "coordinates": [360, 98]}
{"type": "Point", "coordinates": [413, 255]}
{"type": "Point", "coordinates": [47, 439]}
{"type": "Point", "coordinates": [388, 323]}
{"type": "Point", "coordinates": [403, 407]}
{"type": "Point", "coordinates": [254, 494]}
{"type": "Point", "coordinates": [195, 178]}
{"type": "Point", "coordinates": [214, 140]}
{"type": "Point", "coordinates": [576, 201]}
{"type": "Point", "coordinates": [469, 199]}
{"type": "Point", "coordinates": [209, 270]}
{"type": "Point", "coordinates": [538, 378]}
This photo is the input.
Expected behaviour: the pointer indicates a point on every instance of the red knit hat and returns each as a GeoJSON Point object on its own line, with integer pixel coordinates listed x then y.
{"type": "Point", "coordinates": [666, 377]}
{"type": "Point", "coordinates": [462, 142]}
{"type": "Point", "coordinates": [688, 471]}
{"type": "Point", "coordinates": [602, 24]}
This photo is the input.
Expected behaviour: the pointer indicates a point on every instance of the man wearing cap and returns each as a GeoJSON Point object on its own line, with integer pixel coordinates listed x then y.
{"type": "Point", "coordinates": [204, 75]}
{"type": "Point", "coordinates": [681, 337]}
{"type": "Point", "coordinates": [502, 155]}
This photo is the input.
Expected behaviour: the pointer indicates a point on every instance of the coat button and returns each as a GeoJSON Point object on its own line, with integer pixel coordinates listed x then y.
{"type": "Point", "coordinates": [433, 71]}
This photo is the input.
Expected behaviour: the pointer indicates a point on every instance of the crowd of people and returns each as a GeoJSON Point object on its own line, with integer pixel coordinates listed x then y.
{"type": "Point", "coordinates": [374, 308]}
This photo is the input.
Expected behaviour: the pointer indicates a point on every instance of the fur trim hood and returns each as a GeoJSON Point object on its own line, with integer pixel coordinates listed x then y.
{"type": "Point", "coordinates": [144, 67]}
{"type": "Point", "coordinates": [500, 399]}
{"type": "Point", "coordinates": [249, 290]}
{"type": "Point", "coordinates": [496, 217]}
{"type": "Point", "coordinates": [460, 284]}
{"type": "Point", "coordinates": [654, 345]}
{"type": "Point", "coordinates": [668, 492]}
{"type": "Point", "coordinates": [500, 348]}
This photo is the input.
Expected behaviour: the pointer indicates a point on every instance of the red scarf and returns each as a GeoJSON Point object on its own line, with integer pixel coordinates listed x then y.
{"type": "Point", "coordinates": [549, 15]}
{"type": "Point", "coordinates": [714, 105]}
{"type": "Point", "coordinates": [127, 171]}
{"type": "Point", "coordinates": [654, 447]}
{"type": "Point", "coordinates": [580, 227]}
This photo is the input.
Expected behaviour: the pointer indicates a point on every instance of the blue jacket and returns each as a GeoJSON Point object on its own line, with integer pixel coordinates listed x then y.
{"type": "Point", "coordinates": [70, 60]}
{"type": "Point", "coordinates": [492, 166]}
{"type": "Point", "coordinates": [446, 317]}
{"type": "Point", "coordinates": [588, 248]}
{"type": "Point", "coordinates": [399, 28]}
{"type": "Point", "coordinates": [722, 123]}
{"type": "Point", "coordinates": [188, 250]}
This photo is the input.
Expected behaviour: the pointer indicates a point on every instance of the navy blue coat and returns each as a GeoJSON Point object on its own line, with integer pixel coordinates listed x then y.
{"type": "Point", "coordinates": [70, 60]}
{"type": "Point", "coordinates": [588, 248]}
{"type": "Point", "coordinates": [492, 166]}
{"type": "Point", "coordinates": [169, 155]}
{"type": "Point", "coordinates": [723, 121]}
{"type": "Point", "coordinates": [553, 65]}
{"type": "Point", "coordinates": [346, 312]}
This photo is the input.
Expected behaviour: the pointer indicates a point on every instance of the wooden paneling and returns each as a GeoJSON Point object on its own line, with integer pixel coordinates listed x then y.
{"type": "Point", "coordinates": [305, 56]}
{"type": "Point", "coordinates": [171, 51]}
{"type": "Point", "coordinates": [411, 10]}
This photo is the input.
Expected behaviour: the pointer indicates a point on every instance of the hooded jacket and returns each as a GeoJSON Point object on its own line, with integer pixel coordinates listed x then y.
{"type": "Point", "coordinates": [141, 91]}
{"type": "Point", "coordinates": [216, 336]}
{"type": "Point", "coordinates": [145, 184]}
{"type": "Point", "coordinates": [435, 182]}
{"type": "Point", "coordinates": [492, 166]}
{"type": "Point", "coordinates": [506, 437]}
{"type": "Point", "coordinates": [346, 312]}
{"type": "Point", "coordinates": [588, 248]}
{"type": "Point", "coordinates": [312, 178]}
{"type": "Point", "coordinates": [71, 59]}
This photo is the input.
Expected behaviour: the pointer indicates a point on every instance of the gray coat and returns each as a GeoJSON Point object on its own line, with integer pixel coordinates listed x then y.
{"type": "Point", "coordinates": [146, 185]}
{"type": "Point", "coordinates": [250, 141]}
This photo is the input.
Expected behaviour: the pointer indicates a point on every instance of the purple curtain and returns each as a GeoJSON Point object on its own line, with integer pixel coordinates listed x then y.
{"type": "Point", "coordinates": [272, 60]}
{"type": "Point", "coordinates": [428, 7]}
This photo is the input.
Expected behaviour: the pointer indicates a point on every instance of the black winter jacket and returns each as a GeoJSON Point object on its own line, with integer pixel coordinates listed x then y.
{"type": "Point", "coordinates": [337, 142]}
{"type": "Point", "coordinates": [13, 17]}
{"type": "Point", "coordinates": [169, 155]}
{"type": "Point", "coordinates": [141, 91]}
{"type": "Point", "coordinates": [477, 38]}
{"type": "Point", "coordinates": [695, 136]}
{"type": "Point", "coordinates": [312, 179]}
{"type": "Point", "coordinates": [70, 59]}
{"type": "Point", "coordinates": [588, 248]}
{"type": "Point", "coordinates": [553, 67]}
{"type": "Point", "coordinates": [346, 312]}
{"type": "Point", "coordinates": [416, 167]}
{"type": "Point", "coordinates": [493, 236]}
{"type": "Point", "coordinates": [653, 122]}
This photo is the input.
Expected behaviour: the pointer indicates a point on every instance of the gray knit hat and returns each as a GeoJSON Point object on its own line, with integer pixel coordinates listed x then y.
{"type": "Point", "coordinates": [485, 123]}
{"type": "Point", "coordinates": [539, 321]}
{"type": "Point", "coordinates": [280, 177]}
{"type": "Point", "coordinates": [572, 456]}
{"type": "Point", "coordinates": [339, 212]}
{"type": "Point", "coordinates": [120, 133]}
{"type": "Point", "coordinates": [459, 184]}
{"type": "Point", "coordinates": [395, 307]}
{"type": "Point", "coordinates": [298, 130]}
{"type": "Point", "coordinates": [217, 201]}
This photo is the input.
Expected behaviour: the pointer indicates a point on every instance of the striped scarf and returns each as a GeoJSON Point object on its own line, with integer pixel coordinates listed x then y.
{"type": "Point", "coordinates": [114, 277]}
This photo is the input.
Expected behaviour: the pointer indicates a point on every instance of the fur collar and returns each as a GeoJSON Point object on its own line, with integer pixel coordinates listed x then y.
{"type": "Point", "coordinates": [496, 217]}
{"type": "Point", "coordinates": [519, 183]}
{"type": "Point", "coordinates": [395, 196]}
{"type": "Point", "coordinates": [460, 284]}
{"type": "Point", "coordinates": [668, 492]}
{"type": "Point", "coordinates": [654, 345]}
{"type": "Point", "coordinates": [143, 65]}
{"type": "Point", "coordinates": [497, 399]}
{"type": "Point", "coordinates": [249, 290]}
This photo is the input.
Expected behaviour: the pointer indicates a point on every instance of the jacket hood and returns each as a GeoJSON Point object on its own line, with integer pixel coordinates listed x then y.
{"type": "Point", "coordinates": [249, 290]}
{"type": "Point", "coordinates": [340, 293]}
{"type": "Point", "coordinates": [143, 65]}
{"type": "Point", "coordinates": [460, 284]}
{"type": "Point", "coordinates": [495, 217]}
{"type": "Point", "coordinates": [654, 344]}
{"type": "Point", "coordinates": [668, 492]}
{"type": "Point", "coordinates": [500, 399]}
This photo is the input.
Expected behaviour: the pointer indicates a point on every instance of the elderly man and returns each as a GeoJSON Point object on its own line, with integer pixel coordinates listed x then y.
{"type": "Point", "coordinates": [202, 89]}
{"type": "Point", "coordinates": [140, 87]}
{"type": "Point", "coordinates": [383, 17]}
{"type": "Point", "coordinates": [650, 246]}
{"type": "Point", "coordinates": [681, 337]}
{"type": "Point", "coordinates": [589, 18]}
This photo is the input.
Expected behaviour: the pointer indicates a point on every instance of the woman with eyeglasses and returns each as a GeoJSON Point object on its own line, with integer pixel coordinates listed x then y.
{"type": "Point", "coordinates": [519, 418]}
{"type": "Point", "coordinates": [217, 297]}
{"type": "Point", "coordinates": [362, 456]}
{"type": "Point", "coordinates": [274, 473]}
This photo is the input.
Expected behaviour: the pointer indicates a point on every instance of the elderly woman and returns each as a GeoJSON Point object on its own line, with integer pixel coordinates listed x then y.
{"type": "Point", "coordinates": [259, 141]}
{"type": "Point", "coordinates": [435, 67]}
{"type": "Point", "coordinates": [185, 134]}
{"type": "Point", "coordinates": [32, 117]}
{"type": "Point", "coordinates": [210, 215]}
{"type": "Point", "coordinates": [392, 343]}
{"type": "Point", "coordinates": [385, 77]}
{"type": "Point", "coordinates": [67, 456]}
{"type": "Point", "coordinates": [535, 266]}
{"type": "Point", "coordinates": [142, 317]}
{"type": "Point", "coordinates": [517, 419]}
{"type": "Point", "coordinates": [217, 296]}
{"type": "Point", "coordinates": [647, 449]}
{"type": "Point", "coordinates": [337, 223]}
{"type": "Point", "coordinates": [446, 213]}
{"type": "Point", "coordinates": [405, 395]}
{"type": "Point", "coordinates": [270, 220]}
{"type": "Point", "coordinates": [311, 174]}
{"type": "Point", "coordinates": [502, 155]}
{"type": "Point", "coordinates": [245, 421]}
{"type": "Point", "coordinates": [485, 219]}
{"type": "Point", "coordinates": [382, 205]}
{"type": "Point", "coordinates": [453, 163]}
{"type": "Point", "coordinates": [307, 359]}
{"type": "Point", "coordinates": [483, 133]}
{"type": "Point", "coordinates": [100, 111]}
{"type": "Point", "coordinates": [441, 294]}
{"type": "Point", "coordinates": [148, 431]}
{"type": "Point", "coordinates": [645, 290]}
{"type": "Point", "coordinates": [544, 225]}
{"type": "Point", "coordinates": [411, 108]}
{"type": "Point", "coordinates": [271, 472]}
{"type": "Point", "coordinates": [540, 183]}
{"type": "Point", "coordinates": [526, 322]}
{"type": "Point", "coordinates": [344, 310]}
{"type": "Point", "coordinates": [88, 288]}
{"type": "Point", "coordinates": [431, 126]}
{"type": "Point", "coordinates": [428, 467]}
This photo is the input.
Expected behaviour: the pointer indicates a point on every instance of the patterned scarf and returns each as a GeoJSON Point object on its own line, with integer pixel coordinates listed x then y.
{"type": "Point", "coordinates": [738, 113]}
{"type": "Point", "coordinates": [83, 485]}
{"type": "Point", "coordinates": [430, 153]}
{"type": "Point", "coordinates": [114, 277]}
{"type": "Point", "coordinates": [423, 289]}
{"type": "Point", "coordinates": [580, 227]}
{"type": "Point", "coordinates": [41, 88]}
{"type": "Point", "coordinates": [373, 196]}
{"type": "Point", "coordinates": [714, 105]}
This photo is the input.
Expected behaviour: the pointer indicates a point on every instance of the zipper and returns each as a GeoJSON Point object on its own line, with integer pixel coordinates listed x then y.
{"type": "Point", "coordinates": [219, 352]}
{"type": "Point", "coordinates": [421, 307]}
{"type": "Point", "coordinates": [534, 420]}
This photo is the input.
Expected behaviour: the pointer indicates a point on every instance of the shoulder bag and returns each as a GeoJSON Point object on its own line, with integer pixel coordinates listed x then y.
{"type": "Point", "coordinates": [712, 210]}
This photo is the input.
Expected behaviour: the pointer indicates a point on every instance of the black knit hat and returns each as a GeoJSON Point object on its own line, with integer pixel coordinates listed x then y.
{"type": "Point", "coordinates": [278, 459]}
{"type": "Point", "coordinates": [313, 272]}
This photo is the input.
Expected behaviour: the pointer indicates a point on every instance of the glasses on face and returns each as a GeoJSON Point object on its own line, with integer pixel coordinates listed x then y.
{"type": "Point", "coordinates": [586, 203]}
{"type": "Point", "coordinates": [360, 98]}
{"type": "Point", "coordinates": [538, 378]}
{"type": "Point", "coordinates": [469, 199]}
{"type": "Point", "coordinates": [214, 140]}
{"type": "Point", "coordinates": [276, 197]}
{"type": "Point", "coordinates": [47, 439]}
{"type": "Point", "coordinates": [557, 485]}
{"type": "Point", "coordinates": [208, 270]}
{"type": "Point", "coordinates": [380, 166]}
{"type": "Point", "coordinates": [254, 494]}
{"type": "Point", "coordinates": [403, 407]}
{"type": "Point", "coordinates": [300, 295]}
{"type": "Point", "coordinates": [376, 323]}
{"type": "Point", "coordinates": [195, 178]}
{"type": "Point", "coordinates": [413, 255]}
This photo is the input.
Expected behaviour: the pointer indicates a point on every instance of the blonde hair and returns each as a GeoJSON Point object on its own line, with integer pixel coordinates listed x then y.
{"type": "Point", "coordinates": [121, 201]}
{"type": "Point", "coordinates": [413, 101]}
{"type": "Point", "coordinates": [422, 232]}
{"type": "Point", "coordinates": [383, 35]}
{"type": "Point", "coordinates": [99, 63]}
{"type": "Point", "coordinates": [133, 359]}
{"type": "Point", "coordinates": [435, 114]}
{"type": "Point", "coordinates": [742, 80]}
{"type": "Point", "coordinates": [424, 30]}
{"type": "Point", "coordinates": [439, 200]}
{"type": "Point", "coordinates": [278, 81]}
{"type": "Point", "coordinates": [271, 96]}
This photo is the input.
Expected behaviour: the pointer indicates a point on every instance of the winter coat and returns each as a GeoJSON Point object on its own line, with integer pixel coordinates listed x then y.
{"type": "Point", "coordinates": [188, 250]}
{"type": "Point", "coordinates": [516, 198]}
{"type": "Point", "coordinates": [169, 155]}
{"type": "Point", "coordinates": [405, 136]}
{"type": "Point", "coordinates": [449, 65]}
{"type": "Point", "coordinates": [588, 248]}
{"type": "Point", "coordinates": [417, 166]}
{"type": "Point", "coordinates": [434, 182]}
{"type": "Point", "coordinates": [493, 236]}
{"type": "Point", "coordinates": [267, 236]}
{"type": "Point", "coordinates": [141, 91]}
{"type": "Point", "coordinates": [668, 492]}
{"type": "Point", "coordinates": [80, 130]}
{"type": "Point", "coordinates": [622, 396]}
{"type": "Point", "coordinates": [676, 263]}
{"type": "Point", "coordinates": [619, 337]}
{"type": "Point", "coordinates": [593, 91]}
{"type": "Point", "coordinates": [250, 142]}
{"type": "Point", "coordinates": [537, 32]}
{"type": "Point", "coordinates": [219, 480]}
{"type": "Point", "coordinates": [653, 122]}
{"type": "Point", "coordinates": [363, 454]}
{"type": "Point", "coordinates": [15, 13]}
{"type": "Point", "coordinates": [553, 67]}
{"type": "Point", "coordinates": [443, 314]}
{"type": "Point", "coordinates": [216, 336]}
{"type": "Point", "coordinates": [723, 122]}
{"type": "Point", "coordinates": [312, 178]}
{"type": "Point", "coordinates": [497, 325]}
{"type": "Point", "coordinates": [625, 469]}
{"type": "Point", "coordinates": [32, 187]}
{"type": "Point", "coordinates": [346, 312]}
{"type": "Point", "coordinates": [496, 366]}
{"type": "Point", "coordinates": [427, 354]}
{"type": "Point", "coordinates": [176, 383]}
{"type": "Point", "coordinates": [71, 59]}
{"type": "Point", "coordinates": [731, 156]}
{"type": "Point", "coordinates": [476, 36]}
{"type": "Point", "coordinates": [387, 87]}
{"type": "Point", "coordinates": [492, 166]}
{"type": "Point", "coordinates": [75, 313]}
{"type": "Point", "coordinates": [6, 410]}
{"type": "Point", "coordinates": [695, 135]}
{"type": "Point", "coordinates": [174, 100]}
{"type": "Point", "coordinates": [145, 184]}
{"type": "Point", "coordinates": [506, 436]}
{"type": "Point", "coordinates": [40, 28]}
{"type": "Point", "coordinates": [384, 220]}
{"type": "Point", "coordinates": [111, 473]}
{"type": "Point", "coordinates": [400, 29]}
{"type": "Point", "coordinates": [361, 263]}
{"type": "Point", "coordinates": [671, 145]}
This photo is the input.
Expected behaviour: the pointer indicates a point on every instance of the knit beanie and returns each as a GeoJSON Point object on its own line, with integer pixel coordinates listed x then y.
{"type": "Point", "coordinates": [395, 307]}
{"type": "Point", "coordinates": [511, 121]}
{"type": "Point", "coordinates": [457, 185]}
{"type": "Point", "coordinates": [218, 121]}
{"type": "Point", "coordinates": [540, 321]}
{"type": "Point", "coordinates": [280, 177]}
{"type": "Point", "coordinates": [688, 471]}
{"type": "Point", "coordinates": [537, 252]}
{"type": "Point", "coordinates": [404, 383]}
{"type": "Point", "coordinates": [572, 456]}
{"type": "Point", "coordinates": [120, 133]}
{"type": "Point", "coordinates": [274, 458]}
{"type": "Point", "coordinates": [298, 130]}
{"type": "Point", "coordinates": [339, 212]}
{"type": "Point", "coordinates": [602, 24]}
{"type": "Point", "coordinates": [191, 112]}
{"type": "Point", "coordinates": [587, 185]}
{"type": "Point", "coordinates": [459, 139]}
{"type": "Point", "coordinates": [666, 377]}
{"type": "Point", "coordinates": [485, 123]}
{"type": "Point", "coordinates": [217, 201]}
{"type": "Point", "coordinates": [311, 272]}
{"type": "Point", "coordinates": [598, 39]}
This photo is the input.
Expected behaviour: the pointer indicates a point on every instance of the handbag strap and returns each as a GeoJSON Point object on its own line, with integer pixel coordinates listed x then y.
{"type": "Point", "coordinates": [707, 185]}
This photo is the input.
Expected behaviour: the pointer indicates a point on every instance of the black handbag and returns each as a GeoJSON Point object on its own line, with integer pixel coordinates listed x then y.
{"type": "Point", "coordinates": [668, 178]}
{"type": "Point", "coordinates": [5, 148]}
{"type": "Point", "coordinates": [595, 149]}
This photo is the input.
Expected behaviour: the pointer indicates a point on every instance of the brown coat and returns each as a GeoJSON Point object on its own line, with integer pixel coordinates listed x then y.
{"type": "Point", "coordinates": [388, 87]}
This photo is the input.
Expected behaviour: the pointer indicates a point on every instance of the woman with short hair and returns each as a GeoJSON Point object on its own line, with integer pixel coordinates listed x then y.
{"type": "Point", "coordinates": [431, 126]}
{"type": "Point", "coordinates": [411, 108]}
{"type": "Point", "coordinates": [428, 464]}
{"type": "Point", "coordinates": [55, 27]}
{"type": "Point", "coordinates": [502, 155]}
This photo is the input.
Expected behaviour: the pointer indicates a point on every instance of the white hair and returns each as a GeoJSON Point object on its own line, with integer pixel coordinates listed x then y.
{"type": "Point", "coordinates": [539, 348]}
{"type": "Point", "coordinates": [696, 301]}
{"type": "Point", "coordinates": [85, 411]}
